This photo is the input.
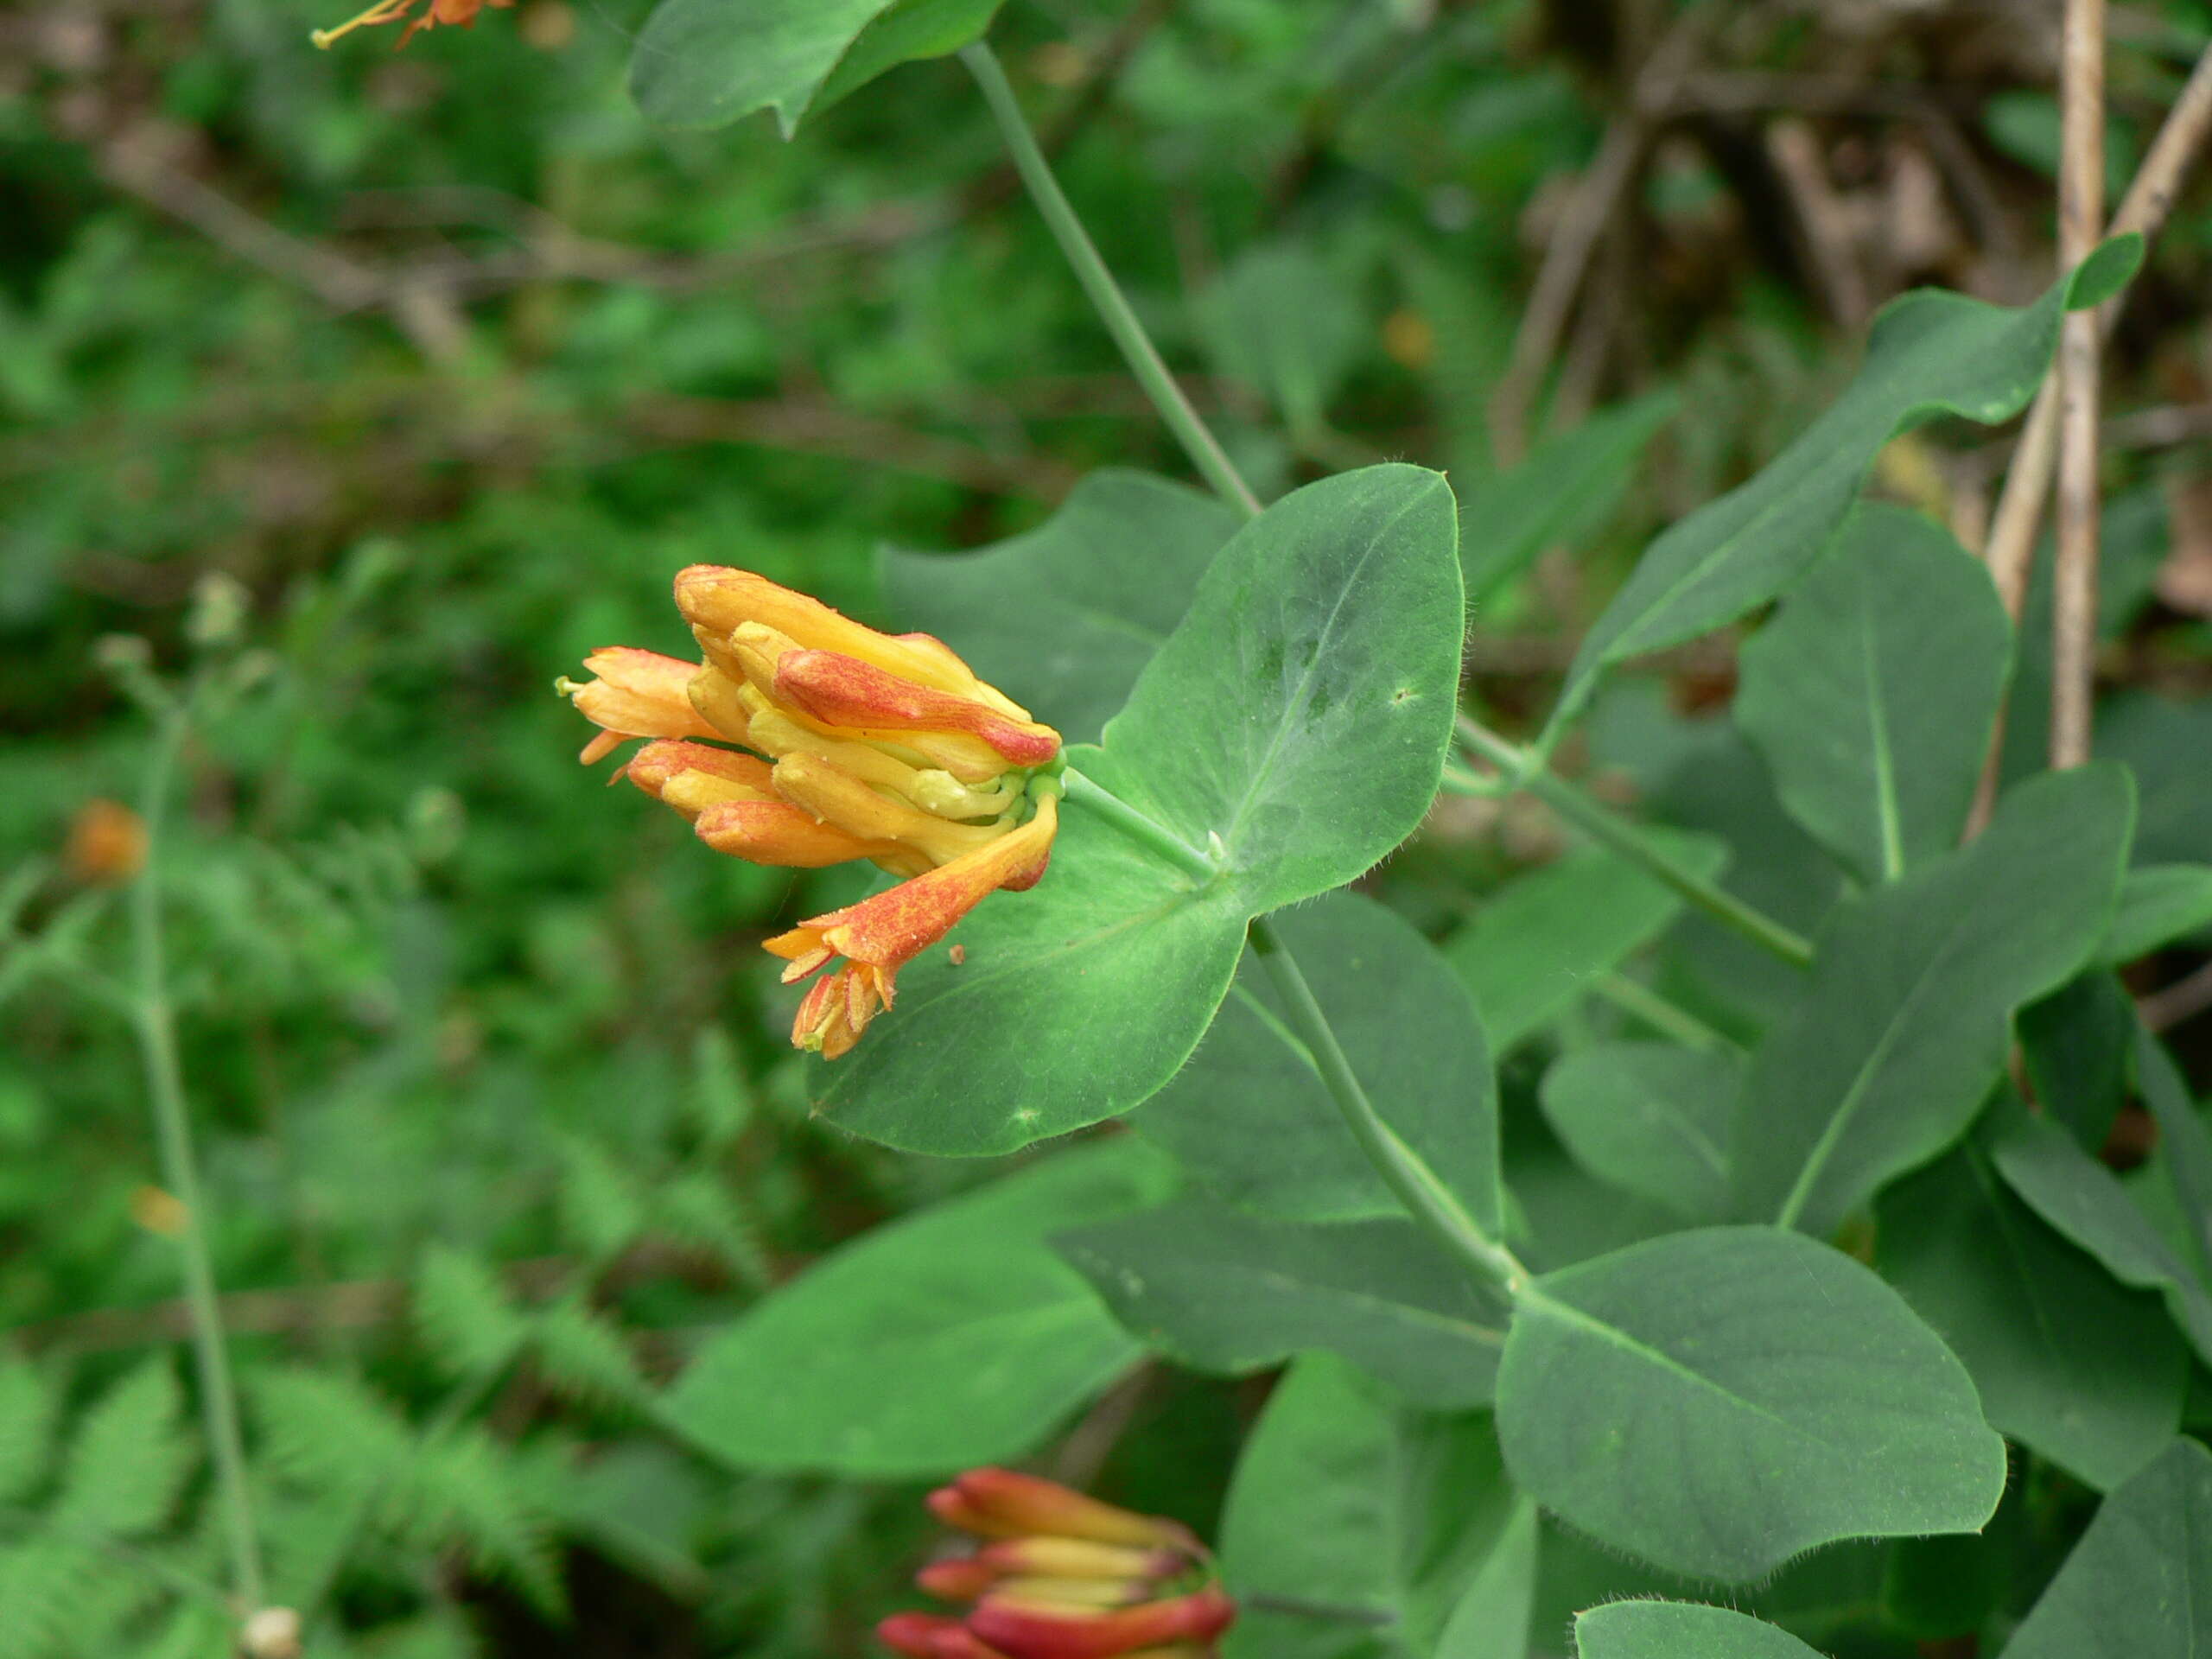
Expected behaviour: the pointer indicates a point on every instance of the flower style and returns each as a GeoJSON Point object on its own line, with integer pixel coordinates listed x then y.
{"type": "Point", "coordinates": [463, 12]}
{"type": "Point", "coordinates": [1063, 1577]}
{"type": "Point", "coordinates": [857, 745]}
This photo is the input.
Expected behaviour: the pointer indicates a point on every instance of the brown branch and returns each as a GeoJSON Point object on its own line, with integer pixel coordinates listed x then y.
{"type": "Point", "coordinates": [2080, 220]}
{"type": "Point", "coordinates": [2184, 1000]}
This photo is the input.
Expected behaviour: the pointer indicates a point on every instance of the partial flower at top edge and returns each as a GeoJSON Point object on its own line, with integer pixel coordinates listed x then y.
{"type": "Point", "coordinates": [1061, 1575]}
{"type": "Point", "coordinates": [856, 745]}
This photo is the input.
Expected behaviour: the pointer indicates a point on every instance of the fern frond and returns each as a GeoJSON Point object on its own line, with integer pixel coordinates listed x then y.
{"type": "Point", "coordinates": [127, 1460]}
{"type": "Point", "coordinates": [721, 1100]}
{"type": "Point", "coordinates": [583, 1355]}
{"type": "Point", "coordinates": [700, 1209]}
{"type": "Point", "coordinates": [327, 1434]}
{"type": "Point", "coordinates": [41, 1581]}
{"type": "Point", "coordinates": [28, 1409]}
{"type": "Point", "coordinates": [466, 1492]}
{"type": "Point", "coordinates": [464, 1315]}
{"type": "Point", "coordinates": [602, 1208]}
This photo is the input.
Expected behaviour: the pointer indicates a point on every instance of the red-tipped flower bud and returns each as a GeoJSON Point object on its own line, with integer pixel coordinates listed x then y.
{"type": "Point", "coordinates": [1028, 1503]}
{"type": "Point", "coordinates": [1027, 1630]}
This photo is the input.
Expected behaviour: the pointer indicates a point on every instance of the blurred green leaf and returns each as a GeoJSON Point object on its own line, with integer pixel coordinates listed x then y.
{"type": "Point", "coordinates": [1567, 486]}
{"type": "Point", "coordinates": [1536, 944]}
{"type": "Point", "coordinates": [952, 1338]}
{"type": "Point", "coordinates": [705, 63]}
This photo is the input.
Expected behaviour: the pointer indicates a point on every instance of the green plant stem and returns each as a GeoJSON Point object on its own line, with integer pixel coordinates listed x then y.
{"type": "Point", "coordinates": [1427, 1199]}
{"type": "Point", "coordinates": [1089, 792]}
{"type": "Point", "coordinates": [155, 1025]}
{"type": "Point", "coordinates": [1113, 307]}
{"type": "Point", "coordinates": [1633, 997]}
{"type": "Point", "coordinates": [1524, 770]}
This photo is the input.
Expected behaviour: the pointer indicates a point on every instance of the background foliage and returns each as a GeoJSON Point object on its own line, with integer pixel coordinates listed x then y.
{"type": "Point", "coordinates": [379, 389]}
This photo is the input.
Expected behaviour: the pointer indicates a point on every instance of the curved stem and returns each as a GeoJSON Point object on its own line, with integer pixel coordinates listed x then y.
{"type": "Point", "coordinates": [1526, 771]}
{"type": "Point", "coordinates": [1144, 360]}
{"type": "Point", "coordinates": [155, 1023]}
{"type": "Point", "coordinates": [1089, 792]}
{"type": "Point", "coordinates": [1427, 1199]}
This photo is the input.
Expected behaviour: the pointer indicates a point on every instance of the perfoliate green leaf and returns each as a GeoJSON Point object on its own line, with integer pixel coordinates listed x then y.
{"type": "Point", "coordinates": [2139, 1586]}
{"type": "Point", "coordinates": [1717, 1401]}
{"type": "Point", "coordinates": [1932, 354]}
{"type": "Point", "coordinates": [2085, 1201]}
{"type": "Point", "coordinates": [1904, 1025]}
{"type": "Point", "coordinates": [1372, 1533]}
{"type": "Point", "coordinates": [1535, 945]}
{"type": "Point", "coordinates": [1650, 1119]}
{"type": "Point", "coordinates": [705, 63]}
{"type": "Point", "coordinates": [1678, 1629]}
{"type": "Point", "coordinates": [1250, 1118]}
{"type": "Point", "coordinates": [1070, 1002]}
{"type": "Point", "coordinates": [1063, 618]}
{"type": "Point", "coordinates": [1839, 691]}
{"type": "Point", "coordinates": [2158, 904]}
{"type": "Point", "coordinates": [1291, 732]}
{"type": "Point", "coordinates": [1301, 714]}
{"type": "Point", "coordinates": [1222, 1291]}
{"type": "Point", "coordinates": [2067, 1362]}
{"type": "Point", "coordinates": [953, 1338]}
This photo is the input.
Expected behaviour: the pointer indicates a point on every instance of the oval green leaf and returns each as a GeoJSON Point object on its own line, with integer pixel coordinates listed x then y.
{"type": "Point", "coordinates": [953, 1338]}
{"type": "Point", "coordinates": [1679, 1630]}
{"type": "Point", "coordinates": [1717, 1401]}
{"type": "Point", "coordinates": [1837, 689]}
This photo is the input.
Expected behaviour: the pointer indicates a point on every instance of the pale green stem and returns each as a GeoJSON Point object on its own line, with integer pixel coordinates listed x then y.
{"type": "Point", "coordinates": [1113, 307]}
{"type": "Point", "coordinates": [1090, 793]}
{"type": "Point", "coordinates": [1427, 1199]}
{"type": "Point", "coordinates": [1522, 769]}
{"type": "Point", "coordinates": [155, 1025]}
{"type": "Point", "coordinates": [1633, 997]}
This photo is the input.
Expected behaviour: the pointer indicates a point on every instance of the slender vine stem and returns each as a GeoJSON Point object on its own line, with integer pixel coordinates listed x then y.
{"type": "Point", "coordinates": [154, 1024]}
{"type": "Point", "coordinates": [1633, 997]}
{"type": "Point", "coordinates": [1427, 1199]}
{"type": "Point", "coordinates": [1113, 306]}
{"type": "Point", "coordinates": [1527, 771]}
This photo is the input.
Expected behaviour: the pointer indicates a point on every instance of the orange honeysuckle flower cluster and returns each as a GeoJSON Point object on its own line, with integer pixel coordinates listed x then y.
{"type": "Point", "coordinates": [1062, 1576]}
{"type": "Point", "coordinates": [857, 745]}
{"type": "Point", "coordinates": [463, 12]}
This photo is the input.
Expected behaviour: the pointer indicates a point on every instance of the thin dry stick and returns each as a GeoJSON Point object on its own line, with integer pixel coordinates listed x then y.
{"type": "Point", "coordinates": [2010, 550]}
{"type": "Point", "coordinates": [2081, 217]}
{"type": "Point", "coordinates": [2144, 210]}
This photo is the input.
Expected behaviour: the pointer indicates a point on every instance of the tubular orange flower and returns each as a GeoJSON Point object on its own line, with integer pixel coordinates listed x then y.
{"type": "Point", "coordinates": [1068, 1577]}
{"type": "Point", "coordinates": [638, 694]}
{"type": "Point", "coordinates": [463, 12]}
{"type": "Point", "coordinates": [867, 745]}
